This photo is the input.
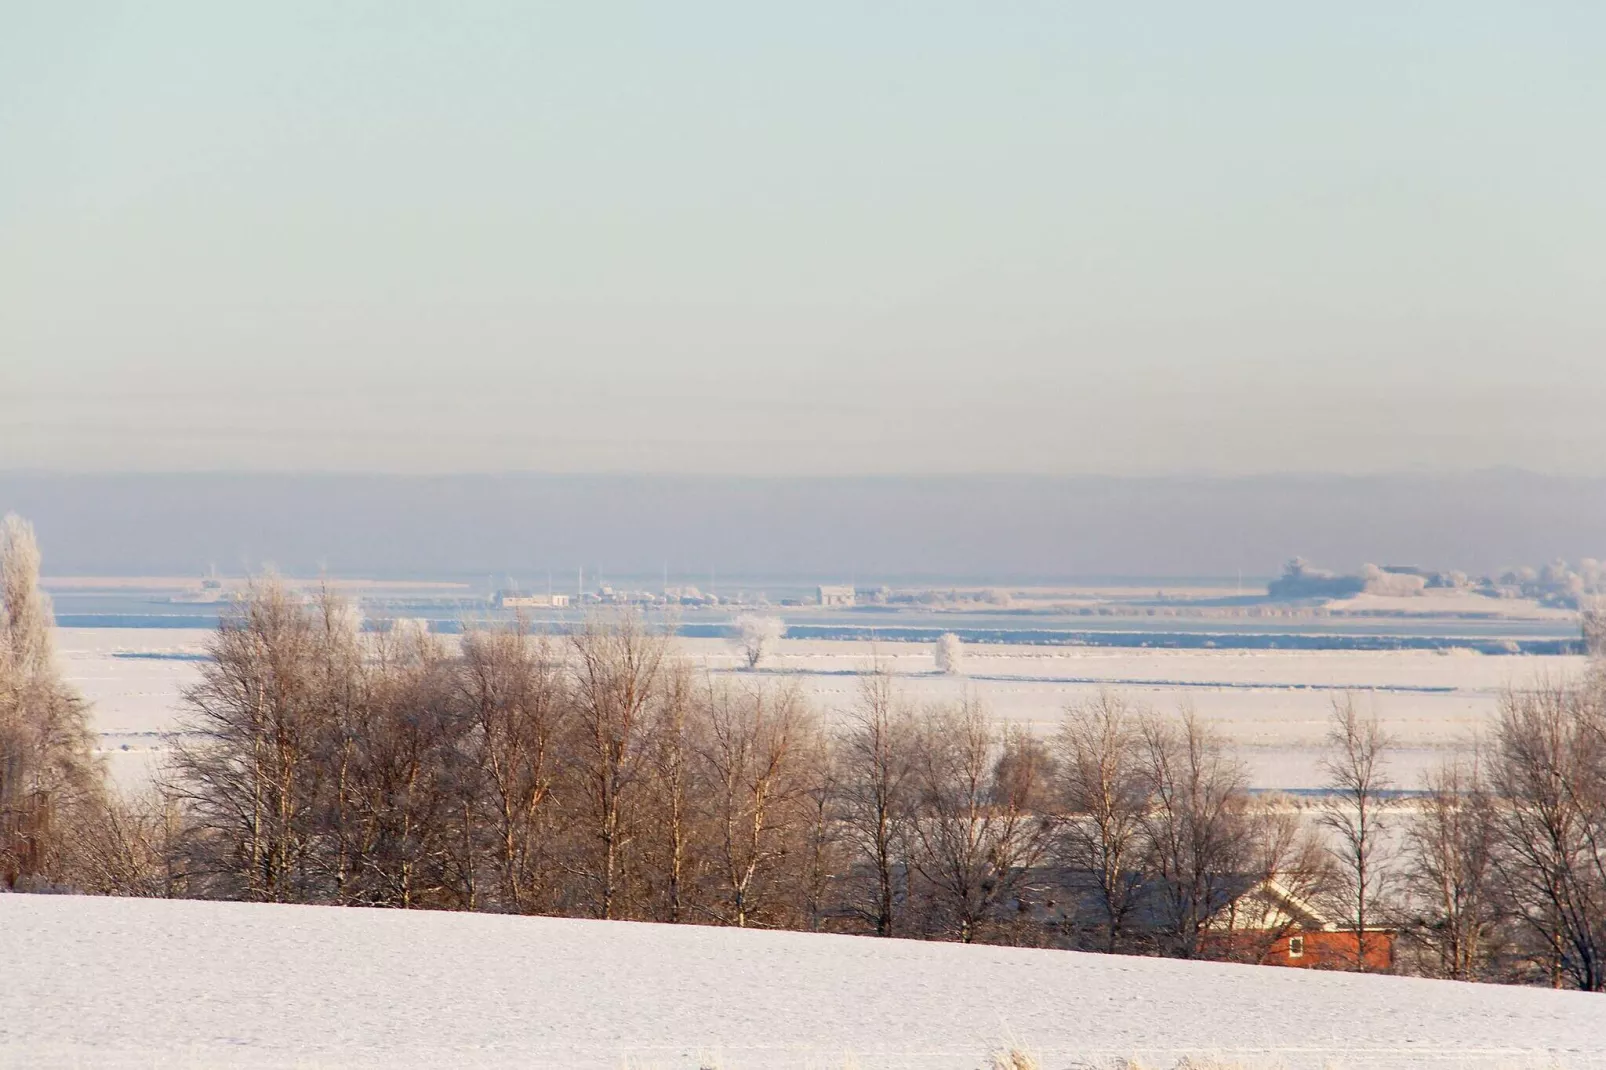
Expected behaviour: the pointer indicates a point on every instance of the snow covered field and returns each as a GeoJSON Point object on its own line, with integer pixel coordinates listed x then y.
{"type": "Point", "coordinates": [142, 983]}
{"type": "Point", "coordinates": [1271, 703]}
{"type": "Point", "coordinates": [134, 678]}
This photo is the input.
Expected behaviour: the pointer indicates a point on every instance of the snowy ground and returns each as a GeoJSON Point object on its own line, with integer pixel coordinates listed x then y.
{"type": "Point", "coordinates": [139, 983]}
{"type": "Point", "coordinates": [1271, 703]}
{"type": "Point", "coordinates": [133, 677]}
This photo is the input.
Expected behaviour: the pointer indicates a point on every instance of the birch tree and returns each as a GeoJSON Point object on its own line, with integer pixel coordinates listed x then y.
{"type": "Point", "coordinates": [49, 776]}
{"type": "Point", "coordinates": [876, 792]}
{"type": "Point", "coordinates": [1355, 813]}
{"type": "Point", "coordinates": [1105, 794]}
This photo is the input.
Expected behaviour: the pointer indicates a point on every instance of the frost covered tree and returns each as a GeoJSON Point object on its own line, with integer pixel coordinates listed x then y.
{"type": "Point", "coordinates": [49, 777]}
{"type": "Point", "coordinates": [756, 637]}
{"type": "Point", "coordinates": [1592, 620]}
{"type": "Point", "coordinates": [949, 654]}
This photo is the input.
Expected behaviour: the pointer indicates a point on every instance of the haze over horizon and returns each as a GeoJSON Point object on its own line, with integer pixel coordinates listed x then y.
{"type": "Point", "coordinates": [1049, 238]}
{"type": "Point", "coordinates": [1003, 528]}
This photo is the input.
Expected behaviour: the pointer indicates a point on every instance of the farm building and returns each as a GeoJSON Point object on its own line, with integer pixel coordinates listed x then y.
{"type": "Point", "coordinates": [512, 600]}
{"type": "Point", "coordinates": [1275, 927]}
{"type": "Point", "coordinates": [1242, 919]}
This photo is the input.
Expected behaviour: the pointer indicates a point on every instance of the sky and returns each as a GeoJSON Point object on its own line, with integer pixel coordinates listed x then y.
{"type": "Point", "coordinates": [809, 239]}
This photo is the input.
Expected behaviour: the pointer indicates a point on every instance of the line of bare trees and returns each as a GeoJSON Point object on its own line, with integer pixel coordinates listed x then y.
{"type": "Point", "coordinates": [1505, 857]}
{"type": "Point", "coordinates": [597, 774]}
{"type": "Point", "coordinates": [593, 775]}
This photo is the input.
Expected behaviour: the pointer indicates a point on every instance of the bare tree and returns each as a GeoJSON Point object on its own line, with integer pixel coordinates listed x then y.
{"type": "Point", "coordinates": [132, 846]}
{"type": "Point", "coordinates": [1198, 829]}
{"type": "Point", "coordinates": [757, 637]}
{"type": "Point", "coordinates": [822, 853]}
{"type": "Point", "coordinates": [245, 759]}
{"type": "Point", "coordinates": [340, 686]}
{"type": "Point", "coordinates": [1450, 848]}
{"type": "Point", "coordinates": [413, 781]}
{"type": "Point", "coordinates": [1354, 811]}
{"type": "Point", "coordinates": [509, 684]}
{"type": "Point", "coordinates": [756, 792]}
{"type": "Point", "coordinates": [876, 792]}
{"type": "Point", "coordinates": [977, 837]}
{"type": "Point", "coordinates": [1104, 789]}
{"type": "Point", "coordinates": [1547, 765]}
{"type": "Point", "coordinates": [676, 843]}
{"type": "Point", "coordinates": [618, 671]}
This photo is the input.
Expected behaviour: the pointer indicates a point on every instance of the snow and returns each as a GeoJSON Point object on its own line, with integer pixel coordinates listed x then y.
{"type": "Point", "coordinates": [142, 983]}
{"type": "Point", "coordinates": [133, 679]}
{"type": "Point", "coordinates": [1271, 704]}
{"type": "Point", "coordinates": [1451, 603]}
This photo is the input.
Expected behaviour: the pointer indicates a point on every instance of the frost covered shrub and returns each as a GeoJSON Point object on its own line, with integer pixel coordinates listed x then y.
{"type": "Point", "coordinates": [1300, 580]}
{"type": "Point", "coordinates": [949, 654]}
{"type": "Point", "coordinates": [1392, 584]}
{"type": "Point", "coordinates": [755, 637]}
{"type": "Point", "coordinates": [1593, 620]}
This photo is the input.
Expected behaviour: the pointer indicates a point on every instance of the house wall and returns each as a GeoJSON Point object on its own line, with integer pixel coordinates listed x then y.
{"type": "Point", "coordinates": [1333, 951]}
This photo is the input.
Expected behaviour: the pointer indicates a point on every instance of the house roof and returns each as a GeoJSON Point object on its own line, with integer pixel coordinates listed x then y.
{"type": "Point", "coordinates": [1076, 893]}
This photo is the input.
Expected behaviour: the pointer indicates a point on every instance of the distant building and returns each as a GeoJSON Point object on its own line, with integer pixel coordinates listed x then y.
{"type": "Point", "coordinates": [836, 596]}
{"type": "Point", "coordinates": [1271, 925]}
{"type": "Point", "coordinates": [1250, 919]}
{"type": "Point", "coordinates": [512, 600]}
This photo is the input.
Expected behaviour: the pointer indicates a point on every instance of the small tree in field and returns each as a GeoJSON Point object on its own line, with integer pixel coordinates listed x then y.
{"type": "Point", "coordinates": [949, 654]}
{"type": "Point", "coordinates": [756, 637]}
{"type": "Point", "coordinates": [1592, 619]}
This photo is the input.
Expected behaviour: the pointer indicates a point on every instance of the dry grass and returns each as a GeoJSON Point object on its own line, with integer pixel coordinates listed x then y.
{"type": "Point", "coordinates": [1014, 1057]}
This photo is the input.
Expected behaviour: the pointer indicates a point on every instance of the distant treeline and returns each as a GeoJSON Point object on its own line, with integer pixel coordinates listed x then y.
{"type": "Point", "coordinates": [1557, 584]}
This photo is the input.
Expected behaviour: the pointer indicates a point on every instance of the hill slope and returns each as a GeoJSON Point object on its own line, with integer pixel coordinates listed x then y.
{"type": "Point", "coordinates": [106, 982]}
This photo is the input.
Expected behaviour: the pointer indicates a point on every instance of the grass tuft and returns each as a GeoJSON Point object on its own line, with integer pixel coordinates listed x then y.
{"type": "Point", "coordinates": [1014, 1057]}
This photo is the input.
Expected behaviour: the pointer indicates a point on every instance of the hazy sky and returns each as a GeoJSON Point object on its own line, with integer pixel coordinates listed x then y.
{"type": "Point", "coordinates": [807, 238]}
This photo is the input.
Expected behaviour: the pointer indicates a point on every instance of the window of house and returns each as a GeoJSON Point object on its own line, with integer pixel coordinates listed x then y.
{"type": "Point", "coordinates": [1296, 947]}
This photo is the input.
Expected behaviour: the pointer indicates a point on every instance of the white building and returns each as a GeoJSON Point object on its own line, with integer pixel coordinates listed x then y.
{"type": "Point", "coordinates": [509, 600]}
{"type": "Point", "coordinates": [836, 596]}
